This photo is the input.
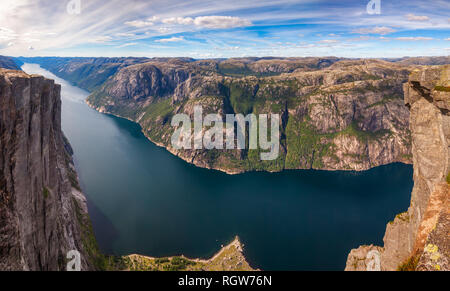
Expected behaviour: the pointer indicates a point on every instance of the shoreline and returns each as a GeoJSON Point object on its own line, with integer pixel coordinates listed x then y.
{"type": "Point", "coordinates": [236, 242]}
{"type": "Point", "coordinates": [227, 171]}
{"type": "Point", "coordinates": [229, 258]}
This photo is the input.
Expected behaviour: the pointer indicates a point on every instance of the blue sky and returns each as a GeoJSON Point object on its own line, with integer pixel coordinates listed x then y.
{"type": "Point", "coordinates": [216, 29]}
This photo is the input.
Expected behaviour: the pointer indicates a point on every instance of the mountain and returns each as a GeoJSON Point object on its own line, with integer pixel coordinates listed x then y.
{"type": "Point", "coordinates": [337, 114]}
{"type": "Point", "coordinates": [346, 116]}
{"type": "Point", "coordinates": [8, 63]}
{"type": "Point", "coordinates": [418, 239]}
{"type": "Point", "coordinates": [43, 213]}
{"type": "Point", "coordinates": [87, 73]}
{"type": "Point", "coordinates": [422, 61]}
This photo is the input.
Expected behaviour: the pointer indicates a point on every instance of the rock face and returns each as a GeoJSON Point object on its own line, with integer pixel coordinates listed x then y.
{"type": "Point", "coordinates": [43, 214]}
{"type": "Point", "coordinates": [335, 114]}
{"type": "Point", "coordinates": [418, 239]}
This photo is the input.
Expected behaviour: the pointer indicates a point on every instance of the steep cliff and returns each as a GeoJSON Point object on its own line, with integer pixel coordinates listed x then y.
{"type": "Point", "coordinates": [43, 214]}
{"type": "Point", "coordinates": [335, 115]}
{"type": "Point", "coordinates": [418, 239]}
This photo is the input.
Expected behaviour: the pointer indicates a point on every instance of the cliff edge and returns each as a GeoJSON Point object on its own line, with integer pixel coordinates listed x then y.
{"type": "Point", "coordinates": [43, 214]}
{"type": "Point", "coordinates": [418, 239]}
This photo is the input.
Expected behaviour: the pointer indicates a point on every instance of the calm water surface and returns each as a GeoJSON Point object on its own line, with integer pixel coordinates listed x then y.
{"type": "Point", "coordinates": [144, 200]}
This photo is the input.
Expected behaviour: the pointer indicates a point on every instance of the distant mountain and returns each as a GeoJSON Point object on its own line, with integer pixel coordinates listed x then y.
{"type": "Point", "coordinates": [87, 73]}
{"type": "Point", "coordinates": [346, 116]}
{"type": "Point", "coordinates": [422, 61]}
{"type": "Point", "coordinates": [9, 63]}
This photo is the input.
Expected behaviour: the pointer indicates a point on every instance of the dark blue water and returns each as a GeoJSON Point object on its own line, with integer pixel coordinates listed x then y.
{"type": "Point", "coordinates": [144, 200]}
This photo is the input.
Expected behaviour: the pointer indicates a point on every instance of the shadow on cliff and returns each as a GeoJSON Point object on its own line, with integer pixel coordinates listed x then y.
{"type": "Point", "coordinates": [104, 230]}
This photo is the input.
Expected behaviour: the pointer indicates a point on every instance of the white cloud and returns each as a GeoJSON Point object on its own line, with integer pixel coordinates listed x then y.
{"type": "Point", "coordinates": [139, 23]}
{"type": "Point", "coordinates": [221, 22]}
{"type": "Point", "coordinates": [124, 34]}
{"type": "Point", "coordinates": [7, 34]}
{"type": "Point", "coordinates": [101, 39]}
{"type": "Point", "coordinates": [179, 20]}
{"type": "Point", "coordinates": [213, 22]}
{"type": "Point", "coordinates": [416, 38]}
{"type": "Point", "coordinates": [172, 39]}
{"type": "Point", "coordinates": [376, 30]}
{"type": "Point", "coordinates": [164, 29]}
{"type": "Point", "coordinates": [29, 40]}
{"type": "Point", "coordinates": [127, 44]}
{"type": "Point", "coordinates": [412, 17]}
{"type": "Point", "coordinates": [328, 41]}
{"type": "Point", "coordinates": [447, 39]}
{"type": "Point", "coordinates": [362, 38]}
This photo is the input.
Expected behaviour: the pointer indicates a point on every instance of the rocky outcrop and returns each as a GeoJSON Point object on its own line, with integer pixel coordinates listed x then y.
{"type": "Point", "coordinates": [229, 258]}
{"type": "Point", "coordinates": [43, 214]}
{"type": "Point", "coordinates": [418, 239]}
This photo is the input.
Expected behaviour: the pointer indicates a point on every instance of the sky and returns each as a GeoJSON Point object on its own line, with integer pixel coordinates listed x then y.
{"type": "Point", "coordinates": [222, 29]}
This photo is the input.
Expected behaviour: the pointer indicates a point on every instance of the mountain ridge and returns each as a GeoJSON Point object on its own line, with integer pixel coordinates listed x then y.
{"type": "Point", "coordinates": [301, 88]}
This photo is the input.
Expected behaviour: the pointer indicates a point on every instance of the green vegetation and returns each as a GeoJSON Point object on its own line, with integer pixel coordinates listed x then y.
{"type": "Point", "coordinates": [158, 116]}
{"type": "Point", "coordinates": [71, 173]}
{"type": "Point", "coordinates": [409, 265]}
{"type": "Point", "coordinates": [162, 260]}
{"type": "Point", "coordinates": [45, 192]}
{"type": "Point", "coordinates": [442, 88]}
{"type": "Point", "coordinates": [241, 98]}
{"type": "Point", "coordinates": [161, 110]}
{"type": "Point", "coordinates": [403, 216]}
{"type": "Point", "coordinates": [307, 147]}
{"type": "Point", "coordinates": [98, 97]}
{"type": "Point", "coordinates": [448, 178]}
{"type": "Point", "coordinates": [142, 263]}
{"type": "Point", "coordinates": [302, 145]}
{"type": "Point", "coordinates": [363, 136]}
{"type": "Point", "coordinates": [240, 71]}
{"type": "Point", "coordinates": [385, 100]}
{"type": "Point", "coordinates": [366, 76]}
{"type": "Point", "coordinates": [233, 70]}
{"type": "Point", "coordinates": [73, 178]}
{"type": "Point", "coordinates": [100, 261]}
{"type": "Point", "coordinates": [90, 76]}
{"type": "Point", "coordinates": [178, 264]}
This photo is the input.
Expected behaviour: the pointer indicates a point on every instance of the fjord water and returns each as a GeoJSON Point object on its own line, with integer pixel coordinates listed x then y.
{"type": "Point", "coordinates": [144, 200]}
